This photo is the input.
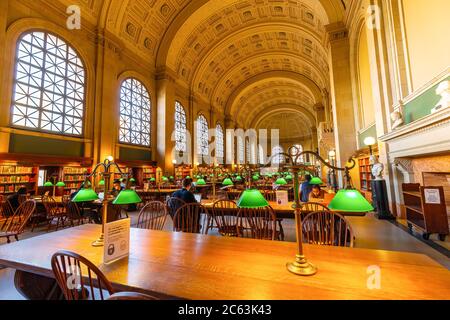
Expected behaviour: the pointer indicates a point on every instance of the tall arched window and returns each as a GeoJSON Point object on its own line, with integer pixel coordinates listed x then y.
{"type": "Point", "coordinates": [202, 136]}
{"type": "Point", "coordinates": [277, 157]}
{"type": "Point", "coordinates": [180, 128]}
{"type": "Point", "coordinates": [49, 85]}
{"type": "Point", "coordinates": [241, 150]}
{"type": "Point", "coordinates": [298, 148]}
{"type": "Point", "coordinates": [219, 142]}
{"type": "Point", "coordinates": [135, 113]}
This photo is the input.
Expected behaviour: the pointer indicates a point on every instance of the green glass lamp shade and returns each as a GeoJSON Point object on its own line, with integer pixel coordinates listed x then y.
{"type": "Point", "coordinates": [152, 180]}
{"type": "Point", "coordinates": [188, 177]}
{"type": "Point", "coordinates": [256, 177]}
{"type": "Point", "coordinates": [227, 182]}
{"type": "Point", "coordinates": [48, 184]}
{"type": "Point", "coordinates": [281, 182]}
{"type": "Point", "coordinates": [238, 178]}
{"type": "Point", "coordinates": [127, 197]}
{"type": "Point", "coordinates": [201, 182]}
{"type": "Point", "coordinates": [316, 181]}
{"type": "Point", "coordinates": [350, 201]}
{"type": "Point", "coordinates": [85, 195]}
{"type": "Point", "coordinates": [288, 177]}
{"type": "Point", "coordinates": [165, 179]}
{"type": "Point", "coordinates": [252, 198]}
{"type": "Point", "coordinates": [60, 184]}
{"type": "Point", "coordinates": [132, 180]}
{"type": "Point", "coordinates": [171, 177]}
{"type": "Point", "coordinates": [101, 182]}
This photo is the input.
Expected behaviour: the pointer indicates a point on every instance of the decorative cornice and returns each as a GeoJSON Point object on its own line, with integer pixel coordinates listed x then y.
{"type": "Point", "coordinates": [424, 124]}
{"type": "Point", "coordinates": [337, 32]}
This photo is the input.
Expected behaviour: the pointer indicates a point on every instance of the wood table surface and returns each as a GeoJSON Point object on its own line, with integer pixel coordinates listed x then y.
{"type": "Point", "coordinates": [286, 211]}
{"type": "Point", "coordinates": [195, 266]}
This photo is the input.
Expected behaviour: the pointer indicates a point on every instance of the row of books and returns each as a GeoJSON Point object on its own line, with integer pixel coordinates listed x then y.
{"type": "Point", "coordinates": [73, 170]}
{"type": "Point", "coordinates": [14, 179]}
{"type": "Point", "coordinates": [10, 188]}
{"type": "Point", "coordinates": [15, 170]}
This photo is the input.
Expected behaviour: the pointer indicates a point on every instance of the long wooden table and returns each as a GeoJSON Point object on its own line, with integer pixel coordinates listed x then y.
{"type": "Point", "coordinates": [194, 266]}
{"type": "Point", "coordinates": [284, 211]}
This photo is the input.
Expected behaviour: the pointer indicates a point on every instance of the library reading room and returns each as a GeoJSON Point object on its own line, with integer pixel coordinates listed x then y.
{"type": "Point", "coordinates": [211, 150]}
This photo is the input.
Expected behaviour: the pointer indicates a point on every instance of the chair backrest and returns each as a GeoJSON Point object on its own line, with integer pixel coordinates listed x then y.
{"type": "Point", "coordinates": [327, 228]}
{"type": "Point", "coordinates": [270, 195]}
{"type": "Point", "coordinates": [225, 214]}
{"type": "Point", "coordinates": [50, 205]}
{"type": "Point", "coordinates": [258, 223]}
{"type": "Point", "coordinates": [22, 198]}
{"type": "Point", "coordinates": [189, 218]}
{"type": "Point", "coordinates": [153, 216]}
{"type": "Point", "coordinates": [6, 210]}
{"type": "Point", "coordinates": [77, 276]}
{"type": "Point", "coordinates": [173, 204]}
{"type": "Point", "coordinates": [16, 224]}
{"type": "Point", "coordinates": [72, 210]}
{"type": "Point", "coordinates": [314, 206]}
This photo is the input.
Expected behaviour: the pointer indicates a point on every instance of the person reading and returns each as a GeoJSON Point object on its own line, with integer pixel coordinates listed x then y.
{"type": "Point", "coordinates": [316, 194]}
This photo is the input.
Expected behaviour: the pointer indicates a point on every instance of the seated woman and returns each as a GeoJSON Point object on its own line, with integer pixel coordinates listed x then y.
{"type": "Point", "coordinates": [316, 194]}
{"type": "Point", "coordinates": [14, 199]}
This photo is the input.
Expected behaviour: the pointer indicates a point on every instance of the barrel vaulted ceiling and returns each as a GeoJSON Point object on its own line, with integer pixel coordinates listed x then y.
{"type": "Point", "coordinates": [244, 58]}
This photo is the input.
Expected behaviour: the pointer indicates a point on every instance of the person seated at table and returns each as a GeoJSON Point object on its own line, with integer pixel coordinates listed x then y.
{"type": "Point", "coordinates": [317, 193]}
{"type": "Point", "coordinates": [14, 199]}
{"type": "Point", "coordinates": [185, 193]}
{"type": "Point", "coordinates": [117, 187]}
{"type": "Point", "coordinates": [306, 189]}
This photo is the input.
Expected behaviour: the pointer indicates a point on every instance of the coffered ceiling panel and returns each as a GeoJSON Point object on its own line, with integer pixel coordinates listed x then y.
{"type": "Point", "coordinates": [291, 125]}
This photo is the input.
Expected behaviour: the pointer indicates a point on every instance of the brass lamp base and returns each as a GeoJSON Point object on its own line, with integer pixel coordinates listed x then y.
{"type": "Point", "coordinates": [100, 242]}
{"type": "Point", "coordinates": [301, 267]}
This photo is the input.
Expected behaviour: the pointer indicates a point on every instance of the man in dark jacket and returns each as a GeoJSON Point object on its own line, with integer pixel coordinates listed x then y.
{"type": "Point", "coordinates": [185, 194]}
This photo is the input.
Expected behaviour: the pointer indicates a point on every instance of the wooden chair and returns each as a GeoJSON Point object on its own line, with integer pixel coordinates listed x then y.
{"type": "Point", "coordinates": [86, 279]}
{"type": "Point", "coordinates": [327, 228]}
{"type": "Point", "coordinates": [73, 213]}
{"type": "Point", "coordinates": [271, 195]}
{"type": "Point", "coordinates": [314, 206]}
{"type": "Point", "coordinates": [227, 222]}
{"type": "Point", "coordinates": [259, 224]}
{"type": "Point", "coordinates": [16, 224]}
{"type": "Point", "coordinates": [189, 218]}
{"type": "Point", "coordinates": [173, 204]}
{"type": "Point", "coordinates": [130, 296]}
{"type": "Point", "coordinates": [53, 212]}
{"type": "Point", "coordinates": [6, 211]}
{"type": "Point", "coordinates": [153, 216]}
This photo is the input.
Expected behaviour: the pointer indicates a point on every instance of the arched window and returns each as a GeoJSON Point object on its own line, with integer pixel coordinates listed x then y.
{"type": "Point", "coordinates": [135, 113]}
{"type": "Point", "coordinates": [241, 150]}
{"type": "Point", "coordinates": [298, 148]}
{"type": "Point", "coordinates": [277, 157]}
{"type": "Point", "coordinates": [180, 128]}
{"type": "Point", "coordinates": [202, 136]}
{"type": "Point", "coordinates": [261, 155]}
{"type": "Point", "coordinates": [49, 85]}
{"type": "Point", "coordinates": [219, 142]}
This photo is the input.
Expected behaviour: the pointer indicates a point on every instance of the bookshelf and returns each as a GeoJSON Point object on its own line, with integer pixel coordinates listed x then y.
{"type": "Point", "coordinates": [13, 177]}
{"type": "Point", "coordinates": [428, 215]}
{"type": "Point", "coordinates": [182, 171]}
{"type": "Point", "coordinates": [73, 177]}
{"type": "Point", "coordinates": [365, 174]}
{"type": "Point", "coordinates": [148, 173]}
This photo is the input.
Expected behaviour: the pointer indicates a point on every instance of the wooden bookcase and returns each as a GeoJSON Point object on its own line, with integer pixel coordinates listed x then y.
{"type": "Point", "coordinates": [182, 171]}
{"type": "Point", "coordinates": [13, 177]}
{"type": "Point", "coordinates": [423, 214]}
{"type": "Point", "coordinates": [73, 177]}
{"type": "Point", "coordinates": [365, 174]}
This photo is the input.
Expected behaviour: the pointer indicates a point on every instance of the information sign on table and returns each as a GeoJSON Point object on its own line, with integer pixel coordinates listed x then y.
{"type": "Point", "coordinates": [282, 198]}
{"type": "Point", "coordinates": [117, 240]}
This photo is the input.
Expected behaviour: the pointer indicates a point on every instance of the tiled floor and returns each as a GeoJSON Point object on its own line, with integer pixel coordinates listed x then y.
{"type": "Point", "coordinates": [370, 233]}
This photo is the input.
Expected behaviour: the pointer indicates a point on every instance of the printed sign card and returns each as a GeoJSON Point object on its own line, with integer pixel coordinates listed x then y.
{"type": "Point", "coordinates": [117, 240]}
{"type": "Point", "coordinates": [282, 198]}
{"type": "Point", "coordinates": [432, 196]}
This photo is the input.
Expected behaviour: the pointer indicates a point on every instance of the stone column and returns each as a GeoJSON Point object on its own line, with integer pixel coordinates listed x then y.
{"type": "Point", "coordinates": [165, 104]}
{"type": "Point", "coordinates": [341, 95]}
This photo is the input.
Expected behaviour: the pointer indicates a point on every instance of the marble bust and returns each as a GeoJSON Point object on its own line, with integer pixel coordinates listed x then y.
{"type": "Point", "coordinates": [442, 90]}
{"type": "Point", "coordinates": [377, 168]}
{"type": "Point", "coordinates": [397, 119]}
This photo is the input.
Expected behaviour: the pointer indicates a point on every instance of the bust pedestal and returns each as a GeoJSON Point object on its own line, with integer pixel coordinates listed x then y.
{"type": "Point", "coordinates": [381, 200]}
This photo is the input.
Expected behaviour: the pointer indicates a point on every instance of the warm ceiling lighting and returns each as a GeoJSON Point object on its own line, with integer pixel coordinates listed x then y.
{"type": "Point", "coordinates": [332, 154]}
{"type": "Point", "coordinates": [110, 158]}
